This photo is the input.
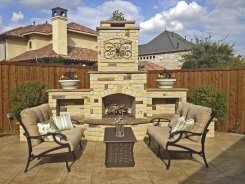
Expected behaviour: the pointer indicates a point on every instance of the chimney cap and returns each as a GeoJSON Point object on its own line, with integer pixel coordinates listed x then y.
{"type": "Point", "coordinates": [59, 12]}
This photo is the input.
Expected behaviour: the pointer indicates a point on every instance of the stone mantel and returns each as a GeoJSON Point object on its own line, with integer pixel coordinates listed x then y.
{"type": "Point", "coordinates": [117, 72]}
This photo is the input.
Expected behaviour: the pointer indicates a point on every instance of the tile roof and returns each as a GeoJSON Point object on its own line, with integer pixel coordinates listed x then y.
{"type": "Point", "coordinates": [74, 53]}
{"type": "Point", "coordinates": [45, 28]}
{"type": "Point", "coordinates": [150, 66]}
{"type": "Point", "coordinates": [84, 54]}
{"type": "Point", "coordinates": [165, 42]}
{"type": "Point", "coordinates": [21, 31]}
{"type": "Point", "coordinates": [81, 28]}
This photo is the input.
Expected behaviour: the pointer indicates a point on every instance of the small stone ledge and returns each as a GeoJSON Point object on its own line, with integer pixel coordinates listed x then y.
{"type": "Point", "coordinates": [69, 90]}
{"type": "Point", "coordinates": [167, 89]}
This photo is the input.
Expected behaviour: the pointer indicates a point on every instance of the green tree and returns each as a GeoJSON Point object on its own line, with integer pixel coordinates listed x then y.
{"type": "Point", "coordinates": [208, 54]}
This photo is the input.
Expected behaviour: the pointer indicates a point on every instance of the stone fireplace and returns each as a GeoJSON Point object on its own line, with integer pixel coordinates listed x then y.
{"type": "Point", "coordinates": [117, 85]}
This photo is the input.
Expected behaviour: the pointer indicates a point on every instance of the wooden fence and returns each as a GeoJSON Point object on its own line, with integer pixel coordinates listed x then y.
{"type": "Point", "coordinates": [16, 73]}
{"type": "Point", "coordinates": [232, 81]}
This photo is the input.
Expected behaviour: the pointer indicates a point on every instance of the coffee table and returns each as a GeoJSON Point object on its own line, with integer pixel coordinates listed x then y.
{"type": "Point", "coordinates": [119, 150]}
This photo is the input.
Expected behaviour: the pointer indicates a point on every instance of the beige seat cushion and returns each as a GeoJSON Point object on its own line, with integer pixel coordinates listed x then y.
{"type": "Point", "coordinates": [161, 136]}
{"type": "Point", "coordinates": [74, 137]}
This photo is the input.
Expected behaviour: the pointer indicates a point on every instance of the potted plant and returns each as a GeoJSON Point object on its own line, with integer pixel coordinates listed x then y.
{"type": "Point", "coordinates": [69, 80]}
{"type": "Point", "coordinates": [166, 79]}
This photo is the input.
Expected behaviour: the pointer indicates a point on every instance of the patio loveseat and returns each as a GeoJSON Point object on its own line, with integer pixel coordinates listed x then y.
{"type": "Point", "coordinates": [63, 142]}
{"type": "Point", "coordinates": [186, 131]}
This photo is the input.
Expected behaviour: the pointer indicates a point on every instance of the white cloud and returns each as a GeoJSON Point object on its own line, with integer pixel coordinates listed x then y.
{"type": "Point", "coordinates": [223, 22]}
{"type": "Point", "coordinates": [186, 12]}
{"type": "Point", "coordinates": [91, 16]}
{"type": "Point", "coordinates": [173, 19]}
{"type": "Point", "coordinates": [16, 17]}
{"type": "Point", "coordinates": [220, 19]}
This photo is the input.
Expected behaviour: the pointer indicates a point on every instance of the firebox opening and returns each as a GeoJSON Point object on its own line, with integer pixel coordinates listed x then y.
{"type": "Point", "coordinates": [118, 104]}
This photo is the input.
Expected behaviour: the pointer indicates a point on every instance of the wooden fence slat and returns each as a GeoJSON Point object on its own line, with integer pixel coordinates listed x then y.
{"type": "Point", "coordinates": [241, 102]}
{"type": "Point", "coordinates": [1, 99]}
{"type": "Point", "coordinates": [5, 98]}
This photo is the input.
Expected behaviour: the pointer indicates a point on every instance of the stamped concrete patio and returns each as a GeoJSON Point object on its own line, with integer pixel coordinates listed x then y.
{"type": "Point", "coordinates": [225, 155]}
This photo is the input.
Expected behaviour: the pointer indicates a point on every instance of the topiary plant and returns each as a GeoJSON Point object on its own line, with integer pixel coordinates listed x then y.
{"type": "Point", "coordinates": [209, 96]}
{"type": "Point", "coordinates": [28, 94]}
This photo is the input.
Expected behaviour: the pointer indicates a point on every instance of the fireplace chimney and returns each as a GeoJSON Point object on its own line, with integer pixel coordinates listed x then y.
{"type": "Point", "coordinates": [59, 30]}
{"type": "Point", "coordinates": [117, 45]}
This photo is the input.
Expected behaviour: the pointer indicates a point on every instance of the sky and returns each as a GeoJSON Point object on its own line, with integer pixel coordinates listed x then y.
{"type": "Point", "coordinates": [223, 20]}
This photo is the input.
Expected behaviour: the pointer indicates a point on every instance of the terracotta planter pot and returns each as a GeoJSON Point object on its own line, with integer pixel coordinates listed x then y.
{"type": "Point", "coordinates": [69, 84]}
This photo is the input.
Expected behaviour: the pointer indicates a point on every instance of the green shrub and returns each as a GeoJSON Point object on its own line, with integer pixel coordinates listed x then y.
{"type": "Point", "coordinates": [210, 97]}
{"type": "Point", "coordinates": [28, 94]}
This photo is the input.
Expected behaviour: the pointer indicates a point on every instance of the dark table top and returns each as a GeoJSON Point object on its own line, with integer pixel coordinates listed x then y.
{"type": "Point", "coordinates": [110, 135]}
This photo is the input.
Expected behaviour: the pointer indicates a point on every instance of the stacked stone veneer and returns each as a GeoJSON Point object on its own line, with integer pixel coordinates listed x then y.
{"type": "Point", "coordinates": [117, 33]}
{"type": "Point", "coordinates": [107, 83]}
{"type": "Point", "coordinates": [148, 102]}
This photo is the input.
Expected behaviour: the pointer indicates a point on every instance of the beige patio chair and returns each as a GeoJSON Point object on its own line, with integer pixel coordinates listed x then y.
{"type": "Point", "coordinates": [187, 139]}
{"type": "Point", "coordinates": [64, 142]}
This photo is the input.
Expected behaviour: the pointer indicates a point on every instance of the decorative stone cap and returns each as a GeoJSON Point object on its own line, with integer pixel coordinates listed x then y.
{"type": "Point", "coordinates": [125, 24]}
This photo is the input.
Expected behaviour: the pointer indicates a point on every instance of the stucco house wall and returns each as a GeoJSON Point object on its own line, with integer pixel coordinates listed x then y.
{"type": "Point", "coordinates": [15, 47]}
{"type": "Point", "coordinates": [82, 40]}
{"type": "Point", "coordinates": [39, 41]}
{"type": "Point", "coordinates": [2, 50]}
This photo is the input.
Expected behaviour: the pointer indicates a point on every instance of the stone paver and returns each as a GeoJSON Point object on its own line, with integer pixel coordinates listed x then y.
{"type": "Point", "coordinates": [225, 154]}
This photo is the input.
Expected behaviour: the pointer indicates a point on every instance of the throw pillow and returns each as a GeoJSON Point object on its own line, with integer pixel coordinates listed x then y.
{"type": "Point", "coordinates": [179, 124]}
{"type": "Point", "coordinates": [182, 124]}
{"type": "Point", "coordinates": [54, 126]}
{"type": "Point", "coordinates": [63, 121]}
{"type": "Point", "coordinates": [173, 120]}
{"type": "Point", "coordinates": [188, 124]}
{"type": "Point", "coordinates": [44, 128]}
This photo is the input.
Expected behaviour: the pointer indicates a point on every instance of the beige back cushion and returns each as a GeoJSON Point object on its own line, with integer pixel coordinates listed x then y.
{"type": "Point", "coordinates": [34, 115]}
{"type": "Point", "coordinates": [182, 110]}
{"type": "Point", "coordinates": [201, 115]}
